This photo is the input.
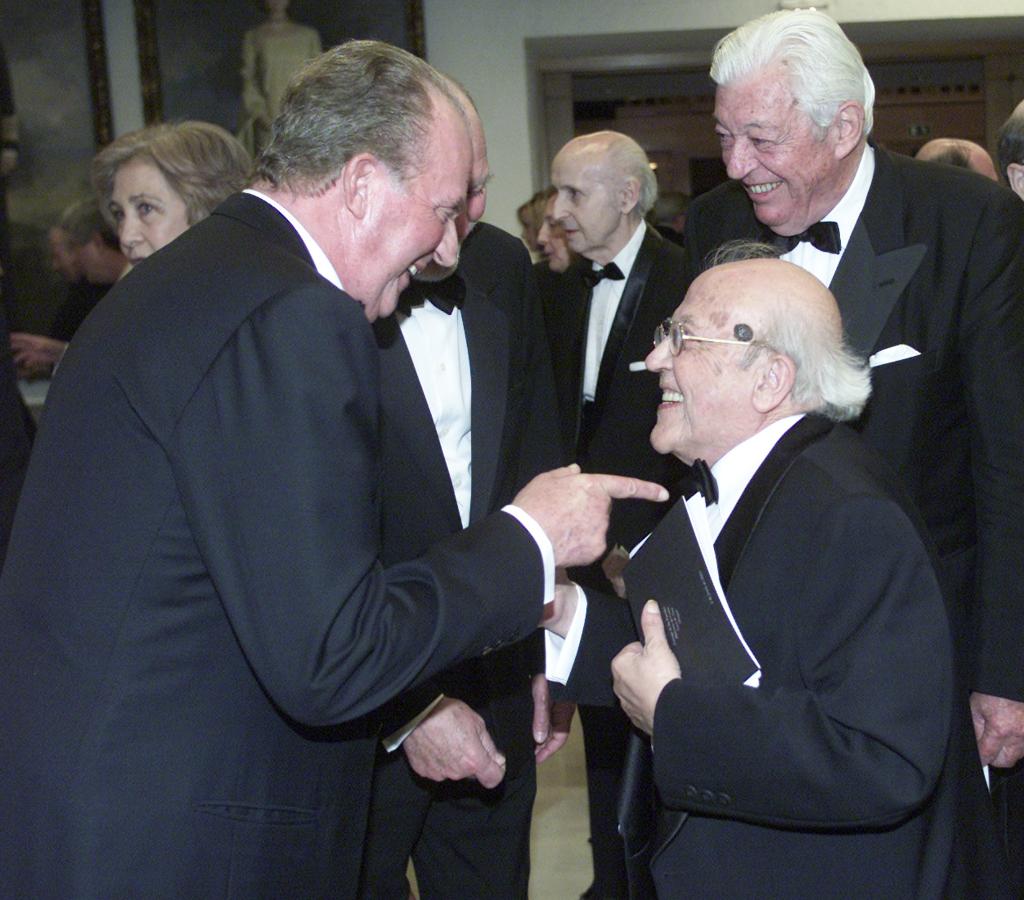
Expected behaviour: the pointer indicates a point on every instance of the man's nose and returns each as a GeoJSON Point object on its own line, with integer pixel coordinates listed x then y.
{"type": "Point", "coordinates": [660, 357]}
{"type": "Point", "coordinates": [738, 159]}
{"type": "Point", "coordinates": [447, 252]}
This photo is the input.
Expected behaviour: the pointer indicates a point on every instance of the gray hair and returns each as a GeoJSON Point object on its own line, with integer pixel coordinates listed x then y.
{"type": "Point", "coordinates": [825, 68]}
{"type": "Point", "coordinates": [629, 160]}
{"type": "Point", "coordinates": [831, 379]}
{"type": "Point", "coordinates": [359, 97]}
{"type": "Point", "coordinates": [202, 163]}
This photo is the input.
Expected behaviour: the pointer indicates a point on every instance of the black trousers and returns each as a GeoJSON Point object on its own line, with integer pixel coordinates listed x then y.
{"type": "Point", "coordinates": [464, 841]}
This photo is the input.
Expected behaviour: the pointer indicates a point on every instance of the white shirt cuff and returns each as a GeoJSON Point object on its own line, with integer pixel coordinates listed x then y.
{"type": "Point", "coordinates": [394, 740]}
{"type": "Point", "coordinates": [547, 552]}
{"type": "Point", "coordinates": [560, 653]}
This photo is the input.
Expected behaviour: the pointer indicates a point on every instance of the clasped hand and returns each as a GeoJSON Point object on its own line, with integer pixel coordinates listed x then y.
{"type": "Point", "coordinates": [641, 671]}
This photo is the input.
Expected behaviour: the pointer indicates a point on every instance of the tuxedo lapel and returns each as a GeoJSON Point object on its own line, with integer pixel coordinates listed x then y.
{"type": "Point", "coordinates": [744, 518]}
{"type": "Point", "coordinates": [624, 316]}
{"type": "Point", "coordinates": [487, 337]}
{"type": "Point", "coordinates": [405, 408]}
{"type": "Point", "coordinates": [573, 340]}
{"type": "Point", "coordinates": [867, 285]}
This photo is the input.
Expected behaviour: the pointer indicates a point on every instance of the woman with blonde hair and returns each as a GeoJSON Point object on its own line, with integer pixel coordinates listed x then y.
{"type": "Point", "coordinates": [155, 182]}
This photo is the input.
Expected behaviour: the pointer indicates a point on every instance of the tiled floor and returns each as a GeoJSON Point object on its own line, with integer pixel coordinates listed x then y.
{"type": "Point", "coordinates": [560, 868]}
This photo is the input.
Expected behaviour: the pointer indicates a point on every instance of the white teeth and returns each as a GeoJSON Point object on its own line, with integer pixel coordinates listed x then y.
{"type": "Point", "coordinates": [671, 397]}
{"type": "Point", "coordinates": [763, 188]}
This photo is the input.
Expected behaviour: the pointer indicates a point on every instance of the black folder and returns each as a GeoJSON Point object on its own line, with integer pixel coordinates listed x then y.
{"type": "Point", "coordinates": [670, 568]}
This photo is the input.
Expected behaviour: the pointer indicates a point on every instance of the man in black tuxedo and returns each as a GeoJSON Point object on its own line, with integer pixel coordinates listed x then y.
{"type": "Point", "coordinates": [194, 619]}
{"type": "Point", "coordinates": [840, 759]}
{"type": "Point", "coordinates": [468, 417]}
{"type": "Point", "coordinates": [928, 271]}
{"type": "Point", "coordinates": [600, 316]}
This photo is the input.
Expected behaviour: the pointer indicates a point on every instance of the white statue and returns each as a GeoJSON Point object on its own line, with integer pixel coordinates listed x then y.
{"type": "Point", "coordinates": [271, 52]}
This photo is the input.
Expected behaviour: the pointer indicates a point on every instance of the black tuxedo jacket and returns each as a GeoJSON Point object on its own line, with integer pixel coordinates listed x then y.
{"type": "Point", "coordinates": [514, 438]}
{"type": "Point", "coordinates": [846, 769]}
{"type": "Point", "coordinates": [193, 598]}
{"type": "Point", "coordinates": [626, 403]}
{"type": "Point", "coordinates": [936, 261]}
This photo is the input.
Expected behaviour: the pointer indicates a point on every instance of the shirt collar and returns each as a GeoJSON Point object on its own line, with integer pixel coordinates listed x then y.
{"type": "Point", "coordinates": [846, 212]}
{"type": "Point", "coordinates": [316, 253]}
{"type": "Point", "coordinates": [734, 470]}
{"type": "Point", "coordinates": [625, 258]}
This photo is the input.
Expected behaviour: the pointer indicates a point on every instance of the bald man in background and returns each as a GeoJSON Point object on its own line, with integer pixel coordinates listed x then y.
{"type": "Point", "coordinates": [959, 152]}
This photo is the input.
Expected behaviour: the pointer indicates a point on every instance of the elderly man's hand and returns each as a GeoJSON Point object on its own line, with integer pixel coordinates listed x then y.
{"type": "Point", "coordinates": [640, 672]}
{"type": "Point", "coordinates": [452, 743]}
{"type": "Point", "coordinates": [551, 720]}
{"type": "Point", "coordinates": [999, 728]}
{"type": "Point", "coordinates": [572, 508]}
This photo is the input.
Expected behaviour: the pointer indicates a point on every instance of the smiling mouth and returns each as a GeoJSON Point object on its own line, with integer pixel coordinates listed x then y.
{"type": "Point", "coordinates": [671, 397]}
{"type": "Point", "coordinates": [763, 188]}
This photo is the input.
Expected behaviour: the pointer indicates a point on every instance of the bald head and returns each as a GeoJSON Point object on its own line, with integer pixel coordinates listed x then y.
{"type": "Point", "coordinates": [605, 187]}
{"type": "Point", "coordinates": [959, 152]}
{"type": "Point", "coordinates": [755, 341]}
{"type": "Point", "coordinates": [763, 292]}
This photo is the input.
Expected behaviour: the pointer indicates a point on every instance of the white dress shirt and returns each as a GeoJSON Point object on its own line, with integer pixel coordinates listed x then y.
{"type": "Point", "coordinates": [604, 304]}
{"type": "Point", "coordinates": [732, 473]}
{"type": "Point", "coordinates": [437, 345]}
{"type": "Point", "coordinates": [845, 214]}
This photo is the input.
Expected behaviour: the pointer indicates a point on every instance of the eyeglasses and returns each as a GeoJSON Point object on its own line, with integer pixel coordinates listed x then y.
{"type": "Point", "coordinates": [677, 335]}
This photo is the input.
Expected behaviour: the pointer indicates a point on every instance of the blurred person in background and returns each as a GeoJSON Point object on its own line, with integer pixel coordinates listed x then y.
{"type": "Point", "coordinates": [85, 252]}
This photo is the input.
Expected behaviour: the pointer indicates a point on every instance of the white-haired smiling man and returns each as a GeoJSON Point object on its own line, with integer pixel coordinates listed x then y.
{"type": "Point", "coordinates": [927, 265]}
{"type": "Point", "coordinates": [846, 768]}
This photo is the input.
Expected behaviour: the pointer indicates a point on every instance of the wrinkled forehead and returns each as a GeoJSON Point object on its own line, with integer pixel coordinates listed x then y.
{"type": "Point", "coordinates": [716, 301]}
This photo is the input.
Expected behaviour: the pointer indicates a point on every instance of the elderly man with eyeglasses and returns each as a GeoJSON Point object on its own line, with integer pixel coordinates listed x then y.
{"type": "Point", "coordinates": [848, 767]}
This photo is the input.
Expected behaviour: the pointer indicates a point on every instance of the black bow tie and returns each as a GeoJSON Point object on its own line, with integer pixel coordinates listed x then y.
{"type": "Point", "coordinates": [592, 276]}
{"type": "Point", "coordinates": [445, 295]}
{"type": "Point", "coordinates": [822, 235]}
{"type": "Point", "coordinates": [704, 481]}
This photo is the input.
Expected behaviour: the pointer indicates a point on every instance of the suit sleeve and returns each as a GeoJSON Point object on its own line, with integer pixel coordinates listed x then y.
{"type": "Point", "coordinates": [276, 458]}
{"type": "Point", "coordinates": [608, 628]}
{"type": "Point", "coordinates": [855, 734]}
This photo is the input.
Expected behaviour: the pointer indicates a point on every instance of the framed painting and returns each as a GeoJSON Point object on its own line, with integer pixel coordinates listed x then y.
{"type": "Point", "coordinates": [57, 66]}
{"type": "Point", "coordinates": [191, 54]}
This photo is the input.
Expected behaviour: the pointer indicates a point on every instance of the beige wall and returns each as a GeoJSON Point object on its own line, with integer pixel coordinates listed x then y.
{"type": "Point", "coordinates": [483, 44]}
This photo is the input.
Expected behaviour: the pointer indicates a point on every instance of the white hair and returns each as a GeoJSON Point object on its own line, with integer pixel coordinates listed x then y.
{"type": "Point", "coordinates": [830, 379]}
{"type": "Point", "coordinates": [825, 68]}
{"type": "Point", "coordinates": [629, 160]}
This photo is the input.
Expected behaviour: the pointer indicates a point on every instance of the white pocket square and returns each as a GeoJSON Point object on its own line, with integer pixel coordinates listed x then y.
{"type": "Point", "coordinates": [892, 354]}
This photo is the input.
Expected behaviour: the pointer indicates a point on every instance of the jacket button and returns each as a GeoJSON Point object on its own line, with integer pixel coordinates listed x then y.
{"type": "Point", "coordinates": [691, 792]}
{"type": "Point", "coordinates": [707, 796]}
{"type": "Point", "coordinates": [724, 799]}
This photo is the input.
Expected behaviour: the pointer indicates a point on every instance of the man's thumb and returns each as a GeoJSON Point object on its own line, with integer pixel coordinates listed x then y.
{"type": "Point", "coordinates": [651, 623]}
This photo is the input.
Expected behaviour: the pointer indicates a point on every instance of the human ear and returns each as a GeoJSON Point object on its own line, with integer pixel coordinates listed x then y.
{"type": "Point", "coordinates": [358, 182]}
{"type": "Point", "coordinates": [1015, 178]}
{"type": "Point", "coordinates": [774, 382]}
{"type": "Point", "coordinates": [849, 127]}
{"type": "Point", "coordinates": [629, 195]}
